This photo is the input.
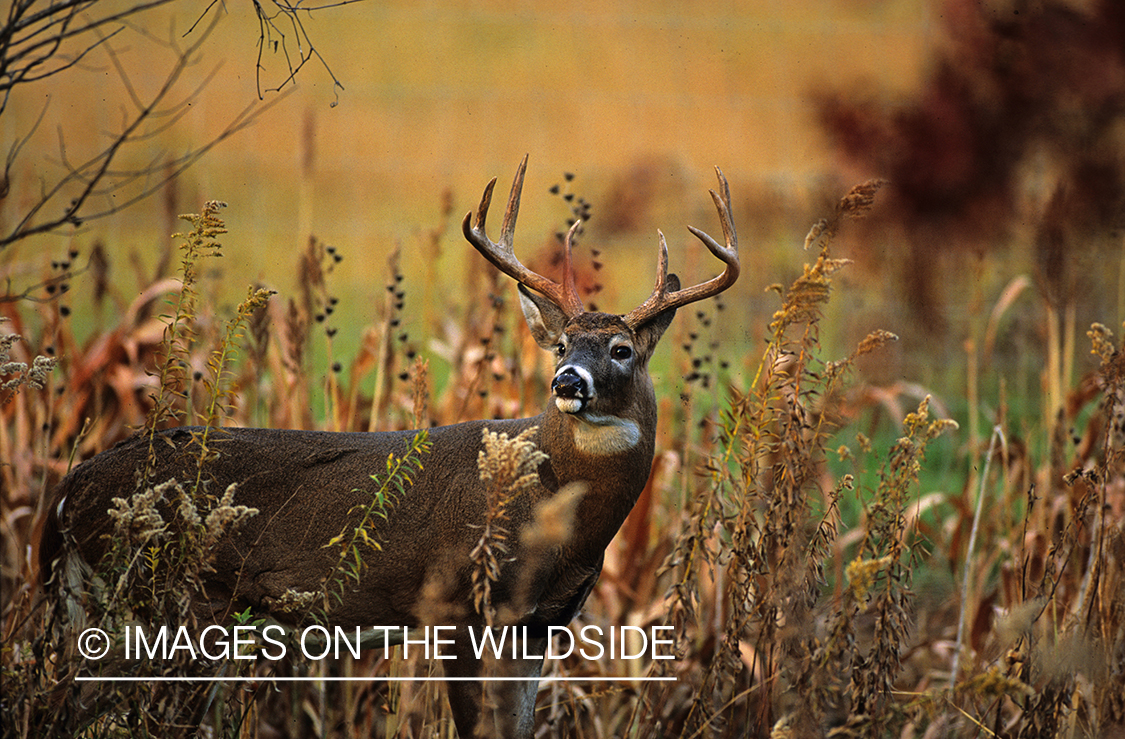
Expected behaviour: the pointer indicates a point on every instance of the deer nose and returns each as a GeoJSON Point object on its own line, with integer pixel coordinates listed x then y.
{"type": "Point", "coordinates": [569, 384]}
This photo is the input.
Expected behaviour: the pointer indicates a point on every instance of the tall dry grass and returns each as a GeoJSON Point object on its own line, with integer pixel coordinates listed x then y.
{"type": "Point", "coordinates": [793, 591]}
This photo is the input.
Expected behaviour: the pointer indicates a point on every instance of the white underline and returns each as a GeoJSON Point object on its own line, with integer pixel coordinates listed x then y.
{"type": "Point", "coordinates": [183, 679]}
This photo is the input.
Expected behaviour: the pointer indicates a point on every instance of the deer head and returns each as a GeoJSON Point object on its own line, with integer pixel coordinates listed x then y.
{"type": "Point", "coordinates": [601, 379]}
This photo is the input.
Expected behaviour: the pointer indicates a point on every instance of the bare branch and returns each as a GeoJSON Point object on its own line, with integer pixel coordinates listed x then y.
{"type": "Point", "coordinates": [31, 40]}
{"type": "Point", "coordinates": [14, 151]}
{"type": "Point", "coordinates": [34, 43]}
{"type": "Point", "coordinates": [96, 177]}
{"type": "Point", "coordinates": [268, 27]}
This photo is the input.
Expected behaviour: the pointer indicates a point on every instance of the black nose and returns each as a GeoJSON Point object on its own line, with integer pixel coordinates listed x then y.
{"type": "Point", "coordinates": [569, 384]}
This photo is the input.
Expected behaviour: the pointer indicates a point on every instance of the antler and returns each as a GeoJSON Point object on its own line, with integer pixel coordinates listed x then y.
{"type": "Point", "coordinates": [502, 255]}
{"type": "Point", "coordinates": [662, 298]}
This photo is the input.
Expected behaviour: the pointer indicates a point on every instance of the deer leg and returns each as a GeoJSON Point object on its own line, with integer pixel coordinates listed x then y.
{"type": "Point", "coordinates": [495, 709]}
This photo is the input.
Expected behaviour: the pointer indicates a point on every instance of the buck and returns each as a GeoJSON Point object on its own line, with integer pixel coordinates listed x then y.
{"type": "Point", "coordinates": [598, 432]}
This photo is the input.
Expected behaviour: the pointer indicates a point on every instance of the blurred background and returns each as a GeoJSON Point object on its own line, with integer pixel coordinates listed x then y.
{"type": "Point", "coordinates": [370, 125]}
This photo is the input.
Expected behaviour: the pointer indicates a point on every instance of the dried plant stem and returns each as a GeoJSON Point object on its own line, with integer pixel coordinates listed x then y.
{"type": "Point", "coordinates": [1060, 351]}
{"type": "Point", "coordinates": [997, 434]}
{"type": "Point", "coordinates": [384, 358]}
{"type": "Point", "coordinates": [179, 334]}
{"type": "Point", "coordinates": [1069, 340]}
{"type": "Point", "coordinates": [972, 390]}
{"type": "Point", "coordinates": [1094, 559]}
{"type": "Point", "coordinates": [220, 393]}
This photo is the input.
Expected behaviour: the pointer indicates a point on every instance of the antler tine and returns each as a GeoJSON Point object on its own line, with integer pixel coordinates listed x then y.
{"type": "Point", "coordinates": [661, 266]}
{"type": "Point", "coordinates": [663, 299]}
{"type": "Point", "coordinates": [568, 286]}
{"type": "Point", "coordinates": [503, 256]}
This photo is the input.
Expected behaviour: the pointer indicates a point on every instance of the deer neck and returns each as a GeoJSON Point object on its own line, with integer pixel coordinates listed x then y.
{"type": "Point", "coordinates": [598, 435]}
{"type": "Point", "coordinates": [611, 455]}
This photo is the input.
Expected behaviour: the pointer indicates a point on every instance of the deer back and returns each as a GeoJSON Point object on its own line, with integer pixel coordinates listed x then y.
{"type": "Point", "coordinates": [304, 485]}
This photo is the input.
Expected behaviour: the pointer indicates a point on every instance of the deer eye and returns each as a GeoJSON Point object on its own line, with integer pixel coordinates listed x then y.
{"type": "Point", "coordinates": [621, 352]}
{"type": "Point", "coordinates": [560, 349]}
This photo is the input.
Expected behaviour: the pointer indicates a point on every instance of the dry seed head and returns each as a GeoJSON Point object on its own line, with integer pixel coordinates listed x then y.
{"type": "Point", "coordinates": [420, 391]}
{"type": "Point", "coordinates": [6, 342]}
{"type": "Point", "coordinates": [1071, 653]}
{"type": "Point", "coordinates": [296, 327]}
{"type": "Point", "coordinates": [226, 516]}
{"type": "Point", "coordinates": [259, 331]}
{"type": "Point", "coordinates": [486, 557]}
{"type": "Point", "coordinates": [291, 600]}
{"type": "Point", "coordinates": [915, 422]}
{"type": "Point", "coordinates": [1018, 620]}
{"type": "Point", "coordinates": [510, 464]}
{"type": "Point", "coordinates": [136, 517]}
{"type": "Point", "coordinates": [35, 376]}
{"type": "Point", "coordinates": [40, 368]}
{"type": "Point", "coordinates": [1113, 357]}
{"type": "Point", "coordinates": [860, 199]}
{"type": "Point", "coordinates": [187, 508]}
{"type": "Point", "coordinates": [993, 684]}
{"type": "Point", "coordinates": [874, 341]}
{"type": "Point", "coordinates": [815, 233]}
{"type": "Point", "coordinates": [208, 224]}
{"type": "Point", "coordinates": [861, 576]}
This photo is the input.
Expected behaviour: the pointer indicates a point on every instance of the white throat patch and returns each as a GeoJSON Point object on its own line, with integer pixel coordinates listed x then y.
{"type": "Point", "coordinates": [604, 435]}
{"type": "Point", "coordinates": [569, 405]}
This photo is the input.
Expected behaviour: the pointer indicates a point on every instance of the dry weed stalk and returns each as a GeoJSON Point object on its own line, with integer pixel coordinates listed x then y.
{"type": "Point", "coordinates": [179, 332]}
{"type": "Point", "coordinates": [510, 466]}
{"type": "Point", "coordinates": [384, 341]}
{"type": "Point", "coordinates": [220, 395]}
{"type": "Point", "coordinates": [764, 526]}
{"type": "Point", "coordinates": [883, 568]}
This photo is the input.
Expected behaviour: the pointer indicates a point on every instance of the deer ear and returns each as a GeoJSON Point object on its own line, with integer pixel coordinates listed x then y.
{"type": "Point", "coordinates": [545, 319]}
{"type": "Point", "coordinates": [648, 333]}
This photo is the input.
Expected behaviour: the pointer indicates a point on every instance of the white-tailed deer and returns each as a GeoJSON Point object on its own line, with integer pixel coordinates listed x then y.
{"type": "Point", "coordinates": [598, 431]}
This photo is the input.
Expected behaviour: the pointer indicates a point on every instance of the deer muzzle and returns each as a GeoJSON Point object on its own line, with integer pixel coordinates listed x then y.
{"type": "Point", "coordinates": [573, 389]}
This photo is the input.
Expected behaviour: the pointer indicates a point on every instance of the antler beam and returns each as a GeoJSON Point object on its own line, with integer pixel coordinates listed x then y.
{"type": "Point", "coordinates": [503, 256]}
{"type": "Point", "coordinates": [662, 298]}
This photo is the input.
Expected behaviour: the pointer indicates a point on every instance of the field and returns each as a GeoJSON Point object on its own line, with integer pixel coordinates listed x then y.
{"type": "Point", "coordinates": [812, 573]}
{"type": "Point", "coordinates": [847, 531]}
